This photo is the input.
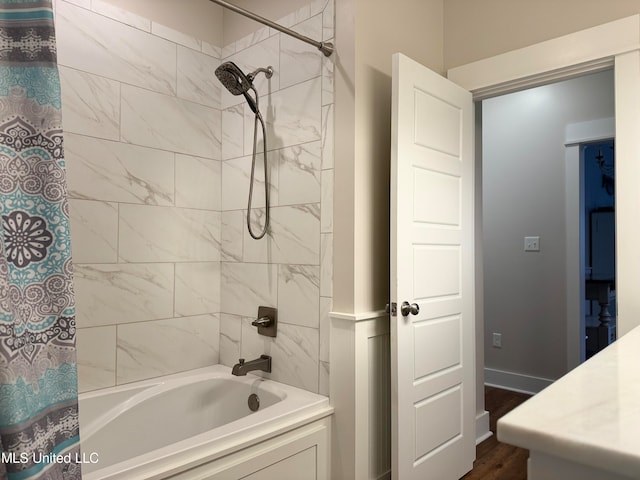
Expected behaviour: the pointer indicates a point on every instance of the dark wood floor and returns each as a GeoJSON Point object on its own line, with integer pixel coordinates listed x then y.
{"type": "Point", "coordinates": [495, 460]}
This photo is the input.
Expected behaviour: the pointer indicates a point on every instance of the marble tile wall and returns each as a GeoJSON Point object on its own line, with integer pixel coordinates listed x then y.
{"type": "Point", "coordinates": [142, 121]}
{"type": "Point", "coordinates": [291, 267]}
{"type": "Point", "coordinates": [159, 159]}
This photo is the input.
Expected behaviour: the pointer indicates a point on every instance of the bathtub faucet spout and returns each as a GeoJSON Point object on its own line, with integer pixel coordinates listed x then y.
{"type": "Point", "coordinates": [242, 368]}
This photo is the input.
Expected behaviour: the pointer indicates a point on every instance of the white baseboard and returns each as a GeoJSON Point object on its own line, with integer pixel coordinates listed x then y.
{"type": "Point", "coordinates": [516, 382]}
{"type": "Point", "coordinates": [482, 427]}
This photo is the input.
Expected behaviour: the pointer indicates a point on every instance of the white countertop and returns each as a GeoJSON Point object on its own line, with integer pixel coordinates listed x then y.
{"type": "Point", "coordinates": [589, 416]}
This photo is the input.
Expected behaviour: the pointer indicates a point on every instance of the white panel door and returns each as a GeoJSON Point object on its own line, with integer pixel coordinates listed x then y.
{"type": "Point", "coordinates": [432, 268]}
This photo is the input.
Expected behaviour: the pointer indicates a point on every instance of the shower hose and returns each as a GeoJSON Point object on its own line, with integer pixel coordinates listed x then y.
{"type": "Point", "coordinates": [258, 118]}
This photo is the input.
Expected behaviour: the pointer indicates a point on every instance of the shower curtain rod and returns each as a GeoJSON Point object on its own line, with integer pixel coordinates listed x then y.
{"type": "Point", "coordinates": [324, 47]}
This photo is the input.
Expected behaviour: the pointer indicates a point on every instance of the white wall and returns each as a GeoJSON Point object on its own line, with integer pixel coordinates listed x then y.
{"type": "Point", "coordinates": [198, 18]}
{"type": "Point", "coordinates": [480, 29]}
{"type": "Point", "coordinates": [523, 195]}
{"type": "Point", "coordinates": [368, 32]}
{"type": "Point", "coordinates": [142, 147]}
{"type": "Point", "coordinates": [237, 26]}
{"type": "Point", "coordinates": [291, 267]}
{"type": "Point", "coordinates": [159, 155]}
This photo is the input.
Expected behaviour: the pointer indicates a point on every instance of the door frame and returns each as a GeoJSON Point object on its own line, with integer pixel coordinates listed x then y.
{"type": "Point", "coordinates": [614, 45]}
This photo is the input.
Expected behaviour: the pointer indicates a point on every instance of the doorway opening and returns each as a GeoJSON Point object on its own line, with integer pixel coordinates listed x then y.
{"type": "Point", "coordinates": [599, 235]}
{"type": "Point", "coordinates": [562, 58]}
{"type": "Point", "coordinates": [528, 279]}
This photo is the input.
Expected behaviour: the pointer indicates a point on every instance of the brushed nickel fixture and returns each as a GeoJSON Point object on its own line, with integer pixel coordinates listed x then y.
{"type": "Point", "coordinates": [267, 321]}
{"type": "Point", "coordinates": [325, 47]}
{"type": "Point", "coordinates": [241, 368]}
{"type": "Point", "coordinates": [234, 80]}
{"type": "Point", "coordinates": [253, 402]}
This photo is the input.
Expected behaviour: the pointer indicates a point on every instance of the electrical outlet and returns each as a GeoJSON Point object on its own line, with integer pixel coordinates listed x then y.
{"type": "Point", "coordinates": [531, 244]}
{"type": "Point", "coordinates": [497, 340]}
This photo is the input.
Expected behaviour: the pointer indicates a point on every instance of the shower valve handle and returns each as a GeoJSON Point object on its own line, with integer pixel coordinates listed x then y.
{"type": "Point", "coordinates": [262, 322]}
{"type": "Point", "coordinates": [267, 321]}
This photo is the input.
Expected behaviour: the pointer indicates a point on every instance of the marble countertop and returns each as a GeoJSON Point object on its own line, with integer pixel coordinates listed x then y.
{"type": "Point", "coordinates": [590, 416]}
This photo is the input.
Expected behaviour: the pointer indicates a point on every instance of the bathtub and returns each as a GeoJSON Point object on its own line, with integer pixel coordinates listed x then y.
{"type": "Point", "coordinates": [198, 425]}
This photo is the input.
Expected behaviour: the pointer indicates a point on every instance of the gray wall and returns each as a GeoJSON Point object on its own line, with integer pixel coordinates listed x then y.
{"type": "Point", "coordinates": [523, 195]}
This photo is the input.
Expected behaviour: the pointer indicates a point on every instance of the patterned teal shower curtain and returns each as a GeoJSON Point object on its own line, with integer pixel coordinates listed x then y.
{"type": "Point", "coordinates": [39, 433]}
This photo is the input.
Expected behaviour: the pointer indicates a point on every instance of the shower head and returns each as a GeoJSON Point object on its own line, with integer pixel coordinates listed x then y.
{"type": "Point", "coordinates": [233, 78]}
{"type": "Point", "coordinates": [238, 83]}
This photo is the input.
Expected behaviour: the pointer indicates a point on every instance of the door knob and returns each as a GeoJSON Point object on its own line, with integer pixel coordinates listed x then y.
{"type": "Point", "coordinates": [407, 309]}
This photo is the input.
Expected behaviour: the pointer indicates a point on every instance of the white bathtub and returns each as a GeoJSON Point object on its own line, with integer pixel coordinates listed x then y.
{"type": "Point", "coordinates": [182, 425]}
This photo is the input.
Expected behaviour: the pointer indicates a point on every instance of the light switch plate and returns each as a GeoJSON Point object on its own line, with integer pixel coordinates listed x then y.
{"type": "Point", "coordinates": [531, 244]}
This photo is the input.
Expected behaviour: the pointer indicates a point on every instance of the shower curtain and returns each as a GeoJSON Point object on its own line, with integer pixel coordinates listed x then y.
{"type": "Point", "coordinates": [39, 433]}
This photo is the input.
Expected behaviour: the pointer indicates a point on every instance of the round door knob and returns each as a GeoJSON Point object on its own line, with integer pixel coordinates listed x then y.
{"type": "Point", "coordinates": [407, 309]}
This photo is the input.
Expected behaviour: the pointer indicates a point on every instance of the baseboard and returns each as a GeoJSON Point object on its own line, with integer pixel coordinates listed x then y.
{"type": "Point", "coordinates": [516, 382]}
{"type": "Point", "coordinates": [482, 427]}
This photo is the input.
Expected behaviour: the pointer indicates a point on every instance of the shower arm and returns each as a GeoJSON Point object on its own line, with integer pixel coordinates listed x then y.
{"type": "Point", "coordinates": [268, 72]}
{"type": "Point", "coordinates": [324, 47]}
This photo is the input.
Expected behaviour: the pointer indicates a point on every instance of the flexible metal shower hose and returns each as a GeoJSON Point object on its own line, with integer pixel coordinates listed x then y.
{"type": "Point", "coordinates": [258, 117]}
